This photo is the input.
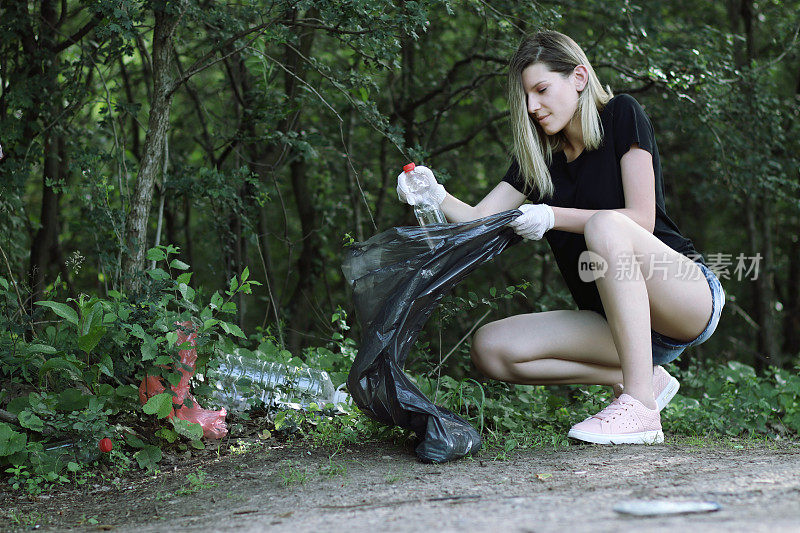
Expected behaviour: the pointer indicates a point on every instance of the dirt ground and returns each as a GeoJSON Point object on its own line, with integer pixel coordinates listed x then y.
{"type": "Point", "coordinates": [382, 487]}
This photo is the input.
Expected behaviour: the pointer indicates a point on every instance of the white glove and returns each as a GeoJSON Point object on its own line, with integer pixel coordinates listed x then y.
{"type": "Point", "coordinates": [535, 221]}
{"type": "Point", "coordinates": [421, 180]}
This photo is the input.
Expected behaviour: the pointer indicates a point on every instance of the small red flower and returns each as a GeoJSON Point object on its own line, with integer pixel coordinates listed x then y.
{"type": "Point", "coordinates": [105, 445]}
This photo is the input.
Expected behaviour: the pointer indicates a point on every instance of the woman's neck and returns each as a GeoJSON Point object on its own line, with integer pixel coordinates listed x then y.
{"type": "Point", "coordinates": [573, 138]}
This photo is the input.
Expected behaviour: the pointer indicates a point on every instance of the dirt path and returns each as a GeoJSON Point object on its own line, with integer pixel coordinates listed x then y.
{"type": "Point", "coordinates": [379, 487]}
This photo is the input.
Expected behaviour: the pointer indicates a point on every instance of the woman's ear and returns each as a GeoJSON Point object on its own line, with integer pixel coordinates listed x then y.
{"type": "Point", "coordinates": [580, 76]}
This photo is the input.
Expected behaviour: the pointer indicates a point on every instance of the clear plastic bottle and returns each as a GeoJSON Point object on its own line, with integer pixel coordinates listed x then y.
{"type": "Point", "coordinates": [426, 208]}
{"type": "Point", "coordinates": [241, 382]}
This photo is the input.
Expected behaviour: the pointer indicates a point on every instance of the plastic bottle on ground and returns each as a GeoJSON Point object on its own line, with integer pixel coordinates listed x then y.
{"type": "Point", "coordinates": [241, 382]}
{"type": "Point", "coordinates": [426, 208]}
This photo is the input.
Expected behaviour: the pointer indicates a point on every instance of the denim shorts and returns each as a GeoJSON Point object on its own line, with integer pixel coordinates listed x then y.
{"type": "Point", "coordinates": [666, 349]}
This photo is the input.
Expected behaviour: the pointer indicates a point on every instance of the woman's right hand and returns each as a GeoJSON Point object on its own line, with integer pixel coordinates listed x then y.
{"type": "Point", "coordinates": [424, 173]}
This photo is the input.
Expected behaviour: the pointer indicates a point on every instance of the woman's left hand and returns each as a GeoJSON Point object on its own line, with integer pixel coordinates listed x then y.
{"type": "Point", "coordinates": [535, 221]}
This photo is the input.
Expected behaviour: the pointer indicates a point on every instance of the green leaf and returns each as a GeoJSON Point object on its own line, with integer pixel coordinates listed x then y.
{"type": "Point", "coordinates": [134, 441]}
{"type": "Point", "coordinates": [167, 434]}
{"type": "Point", "coordinates": [72, 400]}
{"type": "Point", "coordinates": [148, 457]}
{"type": "Point", "coordinates": [229, 307]}
{"type": "Point", "coordinates": [63, 310]}
{"type": "Point", "coordinates": [88, 342]}
{"type": "Point", "coordinates": [11, 442]}
{"type": "Point", "coordinates": [156, 254]}
{"type": "Point", "coordinates": [163, 360]}
{"type": "Point", "coordinates": [184, 278]}
{"type": "Point", "coordinates": [492, 291]}
{"type": "Point", "coordinates": [138, 331]}
{"type": "Point", "coordinates": [160, 405]}
{"type": "Point", "coordinates": [234, 284]}
{"type": "Point", "coordinates": [30, 421]}
{"type": "Point", "coordinates": [40, 348]}
{"type": "Point", "coordinates": [93, 319]}
{"type": "Point", "coordinates": [190, 430]}
{"type": "Point", "coordinates": [172, 338]}
{"type": "Point", "coordinates": [106, 365]}
{"type": "Point", "coordinates": [186, 291]}
{"type": "Point", "coordinates": [73, 467]}
{"type": "Point", "coordinates": [149, 348]}
{"type": "Point", "coordinates": [178, 265]}
{"type": "Point", "coordinates": [245, 274]}
{"type": "Point", "coordinates": [19, 404]}
{"type": "Point", "coordinates": [127, 391]}
{"type": "Point", "coordinates": [61, 364]}
{"type": "Point", "coordinates": [157, 274]}
{"type": "Point", "coordinates": [216, 300]}
{"type": "Point", "coordinates": [232, 329]}
{"type": "Point", "coordinates": [4, 284]}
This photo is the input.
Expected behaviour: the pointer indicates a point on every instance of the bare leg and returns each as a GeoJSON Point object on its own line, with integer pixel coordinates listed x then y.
{"type": "Point", "coordinates": [581, 346]}
{"type": "Point", "coordinates": [627, 308]}
{"type": "Point", "coordinates": [551, 347]}
{"type": "Point", "coordinates": [630, 290]}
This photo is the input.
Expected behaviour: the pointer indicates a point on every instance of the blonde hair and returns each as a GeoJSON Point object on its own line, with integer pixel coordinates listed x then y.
{"type": "Point", "coordinates": [533, 148]}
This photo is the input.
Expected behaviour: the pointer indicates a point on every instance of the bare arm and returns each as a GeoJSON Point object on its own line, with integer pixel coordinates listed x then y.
{"type": "Point", "coordinates": [502, 198]}
{"type": "Point", "coordinates": [638, 184]}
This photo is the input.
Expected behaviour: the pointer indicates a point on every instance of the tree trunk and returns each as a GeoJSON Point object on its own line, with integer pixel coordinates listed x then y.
{"type": "Point", "coordinates": [307, 264]}
{"type": "Point", "coordinates": [791, 300]}
{"type": "Point", "coordinates": [758, 214]}
{"type": "Point", "coordinates": [153, 150]}
{"type": "Point", "coordinates": [306, 267]}
{"type": "Point", "coordinates": [42, 244]}
{"type": "Point", "coordinates": [759, 226]}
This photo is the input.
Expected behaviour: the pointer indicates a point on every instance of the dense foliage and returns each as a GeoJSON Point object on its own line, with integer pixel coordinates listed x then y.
{"type": "Point", "coordinates": [252, 140]}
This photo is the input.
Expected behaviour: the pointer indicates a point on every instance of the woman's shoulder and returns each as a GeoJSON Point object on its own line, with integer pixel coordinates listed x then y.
{"type": "Point", "coordinates": [621, 101]}
{"type": "Point", "coordinates": [623, 109]}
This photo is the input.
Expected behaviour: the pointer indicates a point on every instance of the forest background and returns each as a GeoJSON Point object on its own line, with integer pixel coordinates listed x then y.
{"type": "Point", "coordinates": [252, 141]}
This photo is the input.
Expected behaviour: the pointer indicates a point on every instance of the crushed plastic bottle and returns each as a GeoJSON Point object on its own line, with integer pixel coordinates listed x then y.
{"type": "Point", "coordinates": [240, 382]}
{"type": "Point", "coordinates": [212, 422]}
{"type": "Point", "coordinates": [426, 208]}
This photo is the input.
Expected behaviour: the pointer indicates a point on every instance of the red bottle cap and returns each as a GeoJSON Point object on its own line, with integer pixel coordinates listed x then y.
{"type": "Point", "coordinates": [409, 167]}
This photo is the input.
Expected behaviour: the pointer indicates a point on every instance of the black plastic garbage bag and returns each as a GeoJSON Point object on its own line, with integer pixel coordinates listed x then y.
{"type": "Point", "coordinates": [398, 277]}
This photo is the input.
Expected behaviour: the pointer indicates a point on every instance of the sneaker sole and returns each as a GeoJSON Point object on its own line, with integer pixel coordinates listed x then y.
{"type": "Point", "coordinates": [668, 393]}
{"type": "Point", "coordinates": [645, 437]}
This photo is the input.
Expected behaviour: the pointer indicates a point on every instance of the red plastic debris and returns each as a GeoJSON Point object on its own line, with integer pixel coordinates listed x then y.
{"type": "Point", "coordinates": [105, 445]}
{"type": "Point", "coordinates": [212, 422]}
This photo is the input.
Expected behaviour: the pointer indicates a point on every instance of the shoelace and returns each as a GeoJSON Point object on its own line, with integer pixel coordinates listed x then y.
{"type": "Point", "coordinates": [616, 407]}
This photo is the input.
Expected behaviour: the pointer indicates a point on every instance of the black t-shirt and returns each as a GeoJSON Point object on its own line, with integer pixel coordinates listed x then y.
{"type": "Point", "coordinates": [594, 181]}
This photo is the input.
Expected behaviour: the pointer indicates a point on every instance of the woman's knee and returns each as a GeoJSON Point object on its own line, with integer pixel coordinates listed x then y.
{"type": "Point", "coordinates": [486, 352]}
{"type": "Point", "coordinates": [604, 230]}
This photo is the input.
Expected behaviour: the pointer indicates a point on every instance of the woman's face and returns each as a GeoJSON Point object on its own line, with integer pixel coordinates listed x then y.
{"type": "Point", "coordinates": [552, 98]}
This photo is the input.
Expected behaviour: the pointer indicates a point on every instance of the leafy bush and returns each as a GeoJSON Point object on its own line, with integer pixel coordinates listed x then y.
{"type": "Point", "coordinates": [76, 373]}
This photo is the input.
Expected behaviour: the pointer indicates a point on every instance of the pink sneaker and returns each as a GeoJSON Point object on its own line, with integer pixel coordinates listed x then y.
{"type": "Point", "coordinates": [665, 387]}
{"type": "Point", "coordinates": [625, 421]}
